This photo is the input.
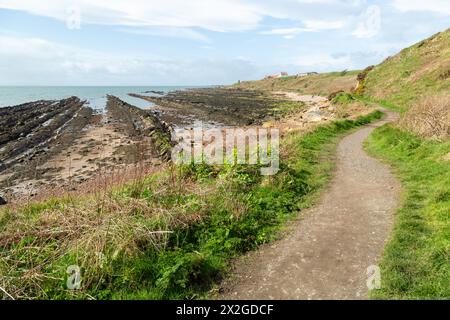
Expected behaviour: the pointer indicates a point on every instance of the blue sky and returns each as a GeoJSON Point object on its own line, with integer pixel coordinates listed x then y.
{"type": "Point", "coordinates": [201, 42]}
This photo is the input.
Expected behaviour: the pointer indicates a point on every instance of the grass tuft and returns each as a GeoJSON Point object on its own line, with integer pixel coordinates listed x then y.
{"type": "Point", "coordinates": [416, 262]}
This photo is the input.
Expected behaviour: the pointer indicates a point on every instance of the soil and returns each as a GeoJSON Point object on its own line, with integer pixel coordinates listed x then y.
{"type": "Point", "coordinates": [326, 253]}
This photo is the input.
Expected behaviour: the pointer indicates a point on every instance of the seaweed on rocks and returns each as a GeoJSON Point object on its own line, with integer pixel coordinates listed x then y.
{"type": "Point", "coordinates": [138, 123]}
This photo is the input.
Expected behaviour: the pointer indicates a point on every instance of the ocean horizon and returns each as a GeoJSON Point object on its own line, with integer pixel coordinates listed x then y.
{"type": "Point", "coordinates": [94, 95]}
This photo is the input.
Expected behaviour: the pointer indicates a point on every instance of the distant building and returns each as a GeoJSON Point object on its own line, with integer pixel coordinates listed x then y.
{"type": "Point", "coordinates": [276, 76]}
{"type": "Point", "coordinates": [306, 74]}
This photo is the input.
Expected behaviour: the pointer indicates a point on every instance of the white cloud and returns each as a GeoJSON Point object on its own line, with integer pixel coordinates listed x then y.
{"type": "Point", "coordinates": [45, 55]}
{"type": "Point", "coordinates": [318, 25]}
{"type": "Point", "coordinates": [350, 28]}
{"type": "Point", "coordinates": [370, 23]}
{"type": "Point", "coordinates": [310, 26]}
{"type": "Point", "coordinates": [170, 32]}
{"type": "Point", "coordinates": [214, 15]}
{"type": "Point", "coordinates": [285, 31]}
{"type": "Point", "coordinates": [36, 61]}
{"type": "Point", "coordinates": [217, 15]}
{"type": "Point", "coordinates": [322, 61]}
{"type": "Point", "coordinates": [437, 6]}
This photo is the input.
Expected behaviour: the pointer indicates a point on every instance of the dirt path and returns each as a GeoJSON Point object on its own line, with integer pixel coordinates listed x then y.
{"type": "Point", "coordinates": [328, 250]}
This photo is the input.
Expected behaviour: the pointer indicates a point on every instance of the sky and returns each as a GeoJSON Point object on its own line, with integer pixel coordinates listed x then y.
{"type": "Point", "coordinates": [202, 42]}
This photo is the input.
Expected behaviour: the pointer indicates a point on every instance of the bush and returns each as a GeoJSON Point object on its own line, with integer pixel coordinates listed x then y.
{"type": "Point", "coordinates": [429, 118]}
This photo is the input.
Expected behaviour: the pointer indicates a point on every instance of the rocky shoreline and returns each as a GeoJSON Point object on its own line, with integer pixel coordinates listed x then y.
{"type": "Point", "coordinates": [26, 130]}
{"type": "Point", "coordinates": [61, 144]}
{"type": "Point", "coordinates": [138, 124]}
{"type": "Point", "coordinates": [215, 106]}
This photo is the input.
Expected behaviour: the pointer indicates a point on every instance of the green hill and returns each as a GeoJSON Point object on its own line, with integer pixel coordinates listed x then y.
{"type": "Point", "coordinates": [318, 84]}
{"type": "Point", "coordinates": [420, 70]}
{"type": "Point", "coordinates": [416, 82]}
{"type": "Point", "coordinates": [401, 80]}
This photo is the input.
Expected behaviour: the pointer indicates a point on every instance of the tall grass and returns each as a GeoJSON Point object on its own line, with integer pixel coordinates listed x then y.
{"type": "Point", "coordinates": [430, 117]}
{"type": "Point", "coordinates": [168, 235]}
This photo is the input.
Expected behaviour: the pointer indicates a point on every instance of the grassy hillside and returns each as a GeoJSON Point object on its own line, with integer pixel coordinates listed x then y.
{"type": "Point", "coordinates": [400, 81]}
{"type": "Point", "coordinates": [320, 84]}
{"type": "Point", "coordinates": [421, 70]}
{"type": "Point", "coordinates": [416, 82]}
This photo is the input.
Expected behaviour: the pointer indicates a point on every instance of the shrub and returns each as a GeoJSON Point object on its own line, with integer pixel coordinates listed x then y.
{"type": "Point", "coordinates": [429, 118]}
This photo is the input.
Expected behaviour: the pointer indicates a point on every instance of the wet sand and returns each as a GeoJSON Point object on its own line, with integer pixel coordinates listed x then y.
{"type": "Point", "coordinates": [61, 144]}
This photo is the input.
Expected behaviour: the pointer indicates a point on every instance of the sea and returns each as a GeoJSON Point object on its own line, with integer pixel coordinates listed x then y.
{"type": "Point", "coordinates": [95, 96]}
